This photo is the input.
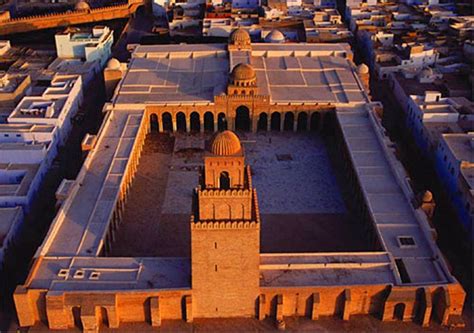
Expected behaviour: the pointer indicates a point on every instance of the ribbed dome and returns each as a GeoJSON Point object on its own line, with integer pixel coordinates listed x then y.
{"type": "Point", "coordinates": [275, 36]}
{"type": "Point", "coordinates": [363, 69]}
{"type": "Point", "coordinates": [226, 143]}
{"type": "Point", "coordinates": [82, 5]}
{"type": "Point", "coordinates": [243, 72]}
{"type": "Point", "coordinates": [239, 36]}
{"type": "Point", "coordinates": [113, 64]}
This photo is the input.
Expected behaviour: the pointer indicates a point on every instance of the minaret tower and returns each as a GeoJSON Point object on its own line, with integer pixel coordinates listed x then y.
{"type": "Point", "coordinates": [225, 234]}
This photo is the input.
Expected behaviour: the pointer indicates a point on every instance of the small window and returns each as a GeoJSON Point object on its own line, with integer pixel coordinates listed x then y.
{"type": "Point", "coordinates": [79, 274]}
{"type": "Point", "coordinates": [64, 273]}
{"type": "Point", "coordinates": [406, 241]}
{"type": "Point", "coordinates": [94, 276]}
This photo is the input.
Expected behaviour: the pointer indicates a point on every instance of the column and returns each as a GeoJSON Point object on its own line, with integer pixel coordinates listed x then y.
{"type": "Point", "coordinates": [269, 123]}
{"type": "Point", "coordinates": [279, 312]}
{"type": "Point", "coordinates": [315, 309]}
{"type": "Point", "coordinates": [155, 311]}
{"type": "Point", "coordinates": [201, 124]}
{"type": "Point", "coordinates": [254, 123]}
{"type": "Point", "coordinates": [57, 317]}
{"type": "Point", "coordinates": [189, 308]}
{"type": "Point", "coordinates": [261, 307]}
{"type": "Point", "coordinates": [112, 317]}
{"type": "Point", "coordinates": [175, 127]}
{"type": "Point", "coordinates": [295, 124]}
{"type": "Point", "coordinates": [89, 319]}
{"type": "Point", "coordinates": [160, 124]}
{"type": "Point", "coordinates": [24, 308]}
{"type": "Point", "coordinates": [216, 125]}
{"type": "Point", "coordinates": [282, 122]}
{"type": "Point", "coordinates": [188, 124]}
{"type": "Point", "coordinates": [347, 305]}
{"type": "Point", "coordinates": [308, 122]}
{"type": "Point", "coordinates": [426, 309]}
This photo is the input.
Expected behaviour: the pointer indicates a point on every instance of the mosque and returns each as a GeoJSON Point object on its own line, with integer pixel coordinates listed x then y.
{"type": "Point", "coordinates": [230, 90]}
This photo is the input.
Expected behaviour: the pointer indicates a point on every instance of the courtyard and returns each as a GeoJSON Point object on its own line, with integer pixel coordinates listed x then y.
{"type": "Point", "coordinates": [301, 203]}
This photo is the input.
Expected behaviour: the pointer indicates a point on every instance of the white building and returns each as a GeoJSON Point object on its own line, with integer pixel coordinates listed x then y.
{"type": "Point", "coordinates": [88, 45]}
{"type": "Point", "coordinates": [57, 106]}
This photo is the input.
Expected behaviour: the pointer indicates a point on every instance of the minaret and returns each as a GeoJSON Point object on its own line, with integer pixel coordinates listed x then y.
{"type": "Point", "coordinates": [225, 234]}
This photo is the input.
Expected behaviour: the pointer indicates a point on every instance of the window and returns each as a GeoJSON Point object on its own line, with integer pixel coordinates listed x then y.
{"type": "Point", "coordinates": [406, 242]}
{"type": "Point", "coordinates": [79, 274]}
{"type": "Point", "coordinates": [94, 276]}
{"type": "Point", "coordinates": [64, 273]}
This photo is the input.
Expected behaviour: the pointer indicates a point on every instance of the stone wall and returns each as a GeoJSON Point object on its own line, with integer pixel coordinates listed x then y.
{"type": "Point", "coordinates": [225, 269]}
{"type": "Point", "coordinates": [32, 23]}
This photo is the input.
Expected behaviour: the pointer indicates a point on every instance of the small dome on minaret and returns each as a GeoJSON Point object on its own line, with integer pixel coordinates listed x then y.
{"type": "Point", "coordinates": [240, 39]}
{"type": "Point", "coordinates": [226, 143]}
{"type": "Point", "coordinates": [243, 75]}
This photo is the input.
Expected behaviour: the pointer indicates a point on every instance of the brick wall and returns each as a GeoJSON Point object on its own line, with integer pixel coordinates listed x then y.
{"type": "Point", "coordinates": [225, 271]}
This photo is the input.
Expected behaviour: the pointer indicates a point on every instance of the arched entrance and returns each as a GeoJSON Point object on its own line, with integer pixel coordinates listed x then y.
{"type": "Point", "coordinates": [221, 122]}
{"type": "Point", "coordinates": [289, 120]}
{"type": "Point", "coordinates": [167, 122]}
{"type": "Point", "coordinates": [262, 122]}
{"type": "Point", "coordinates": [302, 121]}
{"type": "Point", "coordinates": [209, 122]}
{"type": "Point", "coordinates": [275, 121]}
{"type": "Point", "coordinates": [104, 319]}
{"type": "Point", "coordinates": [399, 311]}
{"type": "Point", "coordinates": [181, 122]}
{"type": "Point", "coordinates": [224, 180]}
{"type": "Point", "coordinates": [242, 118]}
{"type": "Point", "coordinates": [195, 122]}
{"type": "Point", "coordinates": [153, 122]}
{"type": "Point", "coordinates": [315, 119]}
{"type": "Point", "coordinates": [76, 314]}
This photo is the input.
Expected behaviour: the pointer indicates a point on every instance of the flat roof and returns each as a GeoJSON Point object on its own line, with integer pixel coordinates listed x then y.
{"type": "Point", "coordinates": [314, 73]}
{"type": "Point", "coordinates": [461, 145]}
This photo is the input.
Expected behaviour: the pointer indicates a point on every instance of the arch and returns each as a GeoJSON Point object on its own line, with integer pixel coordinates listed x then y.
{"type": "Point", "coordinates": [76, 314]}
{"type": "Point", "coordinates": [288, 122]}
{"type": "Point", "coordinates": [221, 122]}
{"type": "Point", "coordinates": [181, 122]}
{"type": "Point", "coordinates": [302, 121]}
{"type": "Point", "coordinates": [224, 180]}
{"type": "Point", "coordinates": [104, 319]}
{"type": "Point", "coordinates": [399, 311]}
{"type": "Point", "coordinates": [315, 120]}
{"type": "Point", "coordinates": [209, 122]}
{"type": "Point", "coordinates": [195, 122]}
{"type": "Point", "coordinates": [167, 122]}
{"type": "Point", "coordinates": [223, 212]}
{"type": "Point", "coordinates": [262, 122]}
{"type": "Point", "coordinates": [243, 92]}
{"type": "Point", "coordinates": [242, 118]}
{"type": "Point", "coordinates": [153, 122]}
{"type": "Point", "coordinates": [275, 121]}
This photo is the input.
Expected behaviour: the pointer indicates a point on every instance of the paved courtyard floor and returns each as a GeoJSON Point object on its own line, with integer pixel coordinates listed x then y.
{"type": "Point", "coordinates": [300, 200]}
